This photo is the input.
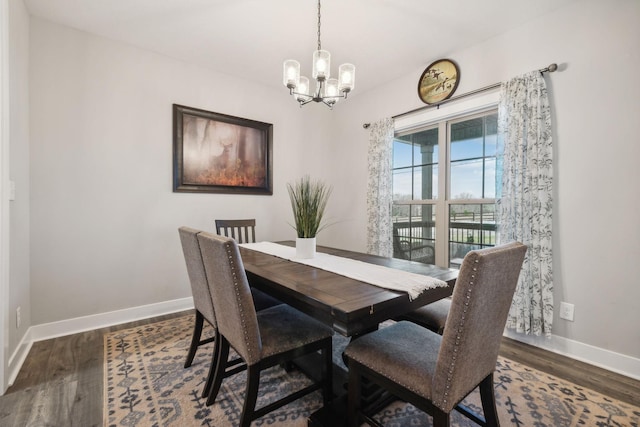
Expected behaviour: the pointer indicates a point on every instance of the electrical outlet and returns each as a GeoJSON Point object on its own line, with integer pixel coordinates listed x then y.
{"type": "Point", "coordinates": [566, 311]}
{"type": "Point", "coordinates": [18, 318]}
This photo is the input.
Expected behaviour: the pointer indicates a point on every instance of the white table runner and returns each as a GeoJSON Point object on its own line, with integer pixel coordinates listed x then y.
{"type": "Point", "coordinates": [378, 275]}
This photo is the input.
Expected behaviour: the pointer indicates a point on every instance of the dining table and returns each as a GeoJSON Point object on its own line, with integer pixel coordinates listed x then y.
{"type": "Point", "coordinates": [350, 306]}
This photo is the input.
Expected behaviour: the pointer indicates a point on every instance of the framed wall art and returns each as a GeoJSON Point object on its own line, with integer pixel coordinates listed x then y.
{"type": "Point", "coordinates": [438, 81]}
{"type": "Point", "coordinates": [217, 153]}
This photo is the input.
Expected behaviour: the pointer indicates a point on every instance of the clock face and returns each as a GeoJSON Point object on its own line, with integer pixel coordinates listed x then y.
{"type": "Point", "coordinates": [438, 81]}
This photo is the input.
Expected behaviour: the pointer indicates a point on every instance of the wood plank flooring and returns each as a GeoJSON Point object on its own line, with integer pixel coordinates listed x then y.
{"type": "Point", "coordinates": [61, 381]}
{"type": "Point", "coordinates": [601, 380]}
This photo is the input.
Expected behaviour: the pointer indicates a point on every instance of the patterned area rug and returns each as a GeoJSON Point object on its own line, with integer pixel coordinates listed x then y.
{"type": "Point", "coordinates": [146, 385]}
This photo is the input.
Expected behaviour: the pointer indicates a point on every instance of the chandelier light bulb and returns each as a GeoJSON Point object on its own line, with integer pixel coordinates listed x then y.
{"type": "Point", "coordinates": [303, 89]}
{"type": "Point", "coordinates": [346, 77]}
{"type": "Point", "coordinates": [331, 91]}
{"type": "Point", "coordinates": [291, 73]}
{"type": "Point", "coordinates": [321, 65]}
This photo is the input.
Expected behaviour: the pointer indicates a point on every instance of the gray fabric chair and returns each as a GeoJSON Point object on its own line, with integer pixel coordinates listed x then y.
{"type": "Point", "coordinates": [263, 339]}
{"type": "Point", "coordinates": [202, 300]}
{"type": "Point", "coordinates": [436, 372]}
{"type": "Point", "coordinates": [432, 316]}
{"type": "Point", "coordinates": [203, 304]}
{"type": "Point", "coordinates": [244, 231]}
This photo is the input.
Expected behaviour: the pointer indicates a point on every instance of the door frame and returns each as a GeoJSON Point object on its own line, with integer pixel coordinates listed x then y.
{"type": "Point", "coordinates": [4, 199]}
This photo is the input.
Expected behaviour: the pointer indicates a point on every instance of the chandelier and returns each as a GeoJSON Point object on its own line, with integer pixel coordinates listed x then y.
{"type": "Point", "coordinates": [328, 90]}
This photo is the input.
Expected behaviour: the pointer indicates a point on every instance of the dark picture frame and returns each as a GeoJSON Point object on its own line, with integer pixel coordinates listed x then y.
{"type": "Point", "coordinates": [438, 81]}
{"type": "Point", "coordinates": [218, 153]}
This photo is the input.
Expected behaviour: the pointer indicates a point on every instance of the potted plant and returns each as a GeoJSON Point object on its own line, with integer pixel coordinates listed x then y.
{"type": "Point", "coordinates": [308, 201]}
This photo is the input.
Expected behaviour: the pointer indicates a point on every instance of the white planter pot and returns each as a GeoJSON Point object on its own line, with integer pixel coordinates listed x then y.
{"type": "Point", "coordinates": [305, 247]}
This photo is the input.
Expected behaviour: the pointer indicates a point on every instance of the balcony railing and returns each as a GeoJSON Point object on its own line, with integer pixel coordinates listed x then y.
{"type": "Point", "coordinates": [415, 239]}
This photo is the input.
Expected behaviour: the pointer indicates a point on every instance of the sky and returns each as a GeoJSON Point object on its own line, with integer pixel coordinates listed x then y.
{"type": "Point", "coordinates": [466, 170]}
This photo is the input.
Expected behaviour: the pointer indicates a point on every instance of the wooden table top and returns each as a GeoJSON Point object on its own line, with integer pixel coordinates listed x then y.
{"type": "Point", "coordinates": [349, 306]}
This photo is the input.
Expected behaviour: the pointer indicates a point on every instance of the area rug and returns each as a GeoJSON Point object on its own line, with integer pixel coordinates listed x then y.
{"type": "Point", "coordinates": [146, 385]}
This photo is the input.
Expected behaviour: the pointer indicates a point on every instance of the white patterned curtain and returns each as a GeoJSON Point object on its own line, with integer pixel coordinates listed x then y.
{"type": "Point", "coordinates": [379, 192]}
{"type": "Point", "coordinates": [524, 202]}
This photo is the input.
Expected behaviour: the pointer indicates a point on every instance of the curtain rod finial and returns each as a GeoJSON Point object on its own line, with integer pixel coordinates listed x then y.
{"type": "Point", "coordinates": [366, 125]}
{"type": "Point", "coordinates": [552, 67]}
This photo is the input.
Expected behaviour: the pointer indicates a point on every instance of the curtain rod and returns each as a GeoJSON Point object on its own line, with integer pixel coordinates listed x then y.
{"type": "Point", "coordinates": [550, 69]}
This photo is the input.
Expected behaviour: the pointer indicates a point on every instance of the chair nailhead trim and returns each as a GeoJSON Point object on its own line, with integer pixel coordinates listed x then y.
{"type": "Point", "coordinates": [460, 329]}
{"type": "Point", "coordinates": [237, 289]}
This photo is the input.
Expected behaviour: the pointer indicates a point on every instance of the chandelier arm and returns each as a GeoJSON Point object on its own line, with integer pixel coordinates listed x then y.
{"type": "Point", "coordinates": [305, 102]}
{"type": "Point", "coordinates": [328, 104]}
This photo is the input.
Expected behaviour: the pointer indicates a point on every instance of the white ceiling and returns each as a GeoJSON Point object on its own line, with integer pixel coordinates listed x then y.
{"type": "Point", "coordinates": [385, 39]}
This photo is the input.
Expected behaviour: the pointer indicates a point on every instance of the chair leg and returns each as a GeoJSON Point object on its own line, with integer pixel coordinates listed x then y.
{"type": "Point", "coordinates": [213, 368]}
{"type": "Point", "coordinates": [195, 338]}
{"type": "Point", "coordinates": [488, 398]}
{"type": "Point", "coordinates": [251, 397]}
{"type": "Point", "coordinates": [221, 367]}
{"type": "Point", "coordinates": [440, 419]}
{"type": "Point", "coordinates": [327, 375]}
{"type": "Point", "coordinates": [353, 403]}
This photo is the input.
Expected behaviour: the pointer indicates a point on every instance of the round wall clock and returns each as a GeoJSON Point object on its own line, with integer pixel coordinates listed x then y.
{"type": "Point", "coordinates": [438, 81]}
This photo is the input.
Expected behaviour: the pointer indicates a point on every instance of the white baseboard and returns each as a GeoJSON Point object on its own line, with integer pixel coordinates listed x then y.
{"type": "Point", "coordinates": [600, 357]}
{"type": "Point", "coordinates": [17, 359]}
{"type": "Point", "coordinates": [88, 323]}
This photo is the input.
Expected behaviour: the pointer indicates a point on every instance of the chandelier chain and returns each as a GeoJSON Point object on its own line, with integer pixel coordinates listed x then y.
{"type": "Point", "coordinates": [319, 47]}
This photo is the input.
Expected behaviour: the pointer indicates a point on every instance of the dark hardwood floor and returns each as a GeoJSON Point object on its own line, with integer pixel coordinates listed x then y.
{"type": "Point", "coordinates": [601, 380]}
{"type": "Point", "coordinates": [61, 381]}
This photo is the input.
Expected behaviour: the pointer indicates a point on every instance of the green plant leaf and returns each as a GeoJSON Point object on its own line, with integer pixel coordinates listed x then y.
{"type": "Point", "coordinates": [308, 201]}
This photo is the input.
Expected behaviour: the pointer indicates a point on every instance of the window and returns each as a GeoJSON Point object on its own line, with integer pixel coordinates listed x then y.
{"type": "Point", "coordinates": [454, 158]}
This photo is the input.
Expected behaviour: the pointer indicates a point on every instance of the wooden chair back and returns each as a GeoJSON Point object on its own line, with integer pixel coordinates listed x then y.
{"type": "Point", "coordinates": [241, 230]}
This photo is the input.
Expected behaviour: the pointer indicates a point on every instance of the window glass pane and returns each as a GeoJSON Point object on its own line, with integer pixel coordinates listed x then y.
{"type": "Point", "coordinates": [426, 186]}
{"type": "Point", "coordinates": [491, 131]}
{"type": "Point", "coordinates": [489, 178]}
{"type": "Point", "coordinates": [471, 226]}
{"type": "Point", "coordinates": [425, 182]}
{"type": "Point", "coordinates": [425, 147]}
{"type": "Point", "coordinates": [402, 152]}
{"type": "Point", "coordinates": [417, 183]}
{"type": "Point", "coordinates": [414, 235]}
{"type": "Point", "coordinates": [402, 184]}
{"type": "Point", "coordinates": [473, 150]}
{"type": "Point", "coordinates": [467, 139]}
{"type": "Point", "coordinates": [490, 143]}
{"type": "Point", "coordinates": [400, 213]}
{"type": "Point", "coordinates": [420, 150]}
{"type": "Point", "coordinates": [466, 179]}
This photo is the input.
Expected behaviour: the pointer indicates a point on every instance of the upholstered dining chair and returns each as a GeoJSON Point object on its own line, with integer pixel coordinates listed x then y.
{"type": "Point", "coordinates": [436, 372]}
{"type": "Point", "coordinates": [242, 230]}
{"type": "Point", "coordinates": [203, 303]}
{"type": "Point", "coordinates": [431, 316]}
{"type": "Point", "coordinates": [263, 339]}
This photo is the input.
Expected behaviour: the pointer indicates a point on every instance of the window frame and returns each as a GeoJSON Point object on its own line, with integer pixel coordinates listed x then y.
{"type": "Point", "coordinates": [444, 199]}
